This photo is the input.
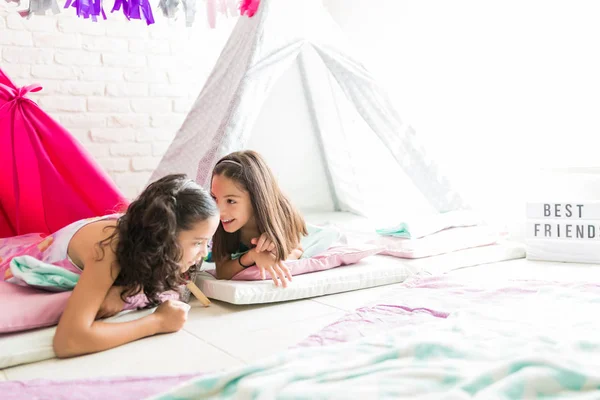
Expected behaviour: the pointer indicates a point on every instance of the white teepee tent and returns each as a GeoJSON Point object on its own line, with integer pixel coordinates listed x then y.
{"type": "Point", "coordinates": [287, 85]}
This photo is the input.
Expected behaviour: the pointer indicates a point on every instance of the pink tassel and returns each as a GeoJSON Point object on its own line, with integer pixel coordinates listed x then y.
{"type": "Point", "coordinates": [211, 13]}
{"type": "Point", "coordinates": [249, 7]}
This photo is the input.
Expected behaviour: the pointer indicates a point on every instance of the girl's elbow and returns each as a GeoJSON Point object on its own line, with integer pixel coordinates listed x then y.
{"type": "Point", "coordinates": [222, 272]}
{"type": "Point", "coordinates": [67, 345]}
{"type": "Point", "coordinates": [64, 346]}
{"type": "Point", "coordinates": [223, 276]}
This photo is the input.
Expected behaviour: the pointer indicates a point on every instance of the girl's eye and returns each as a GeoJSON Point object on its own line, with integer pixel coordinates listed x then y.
{"type": "Point", "coordinates": [199, 244]}
{"type": "Point", "coordinates": [231, 201]}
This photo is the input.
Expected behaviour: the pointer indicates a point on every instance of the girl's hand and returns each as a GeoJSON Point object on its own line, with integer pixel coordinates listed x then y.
{"type": "Point", "coordinates": [267, 262]}
{"type": "Point", "coordinates": [112, 304]}
{"type": "Point", "coordinates": [263, 243]}
{"type": "Point", "coordinates": [171, 315]}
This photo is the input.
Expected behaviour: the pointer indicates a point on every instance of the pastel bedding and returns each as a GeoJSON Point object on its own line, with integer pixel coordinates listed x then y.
{"type": "Point", "coordinates": [440, 337]}
{"type": "Point", "coordinates": [437, 337]}
{"type": "Point", "coordinates": [420, 226]}
{"type": "Point", "coordinates": [127, 388]}
{"type": "Point", "coordinates": [443, 242]}
{"type": "Point", "coordinates": [418, 236]}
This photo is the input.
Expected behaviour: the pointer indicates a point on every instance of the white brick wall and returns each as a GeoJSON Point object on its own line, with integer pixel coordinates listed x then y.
{"type": "Point", "coordinates": [121, 88]}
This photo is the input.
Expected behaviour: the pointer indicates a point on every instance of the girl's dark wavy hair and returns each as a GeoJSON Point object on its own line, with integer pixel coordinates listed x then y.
{"type": "Point", "coordinates": [146, 244]}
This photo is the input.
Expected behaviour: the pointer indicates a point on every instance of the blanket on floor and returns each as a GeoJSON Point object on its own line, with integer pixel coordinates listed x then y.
{"type": "Point", "coordinates": [437, 337]}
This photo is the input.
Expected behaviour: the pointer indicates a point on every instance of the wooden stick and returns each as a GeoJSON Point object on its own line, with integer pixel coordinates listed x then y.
{"type": "Point", "coordinates": [198, 293]}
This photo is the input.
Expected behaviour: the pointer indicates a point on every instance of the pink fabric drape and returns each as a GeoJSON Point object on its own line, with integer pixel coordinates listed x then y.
{"type": "Point", "coordinates": [47, 179]}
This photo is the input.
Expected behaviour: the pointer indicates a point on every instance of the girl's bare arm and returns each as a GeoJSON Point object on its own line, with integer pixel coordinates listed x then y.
{"type": "Point", "coordinates": [229, 268]}
{"type": "Point", "coordinates": [78, 333]}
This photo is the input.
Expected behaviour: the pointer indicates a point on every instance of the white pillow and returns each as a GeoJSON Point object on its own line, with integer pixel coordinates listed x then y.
{"type": "Point", "coordinates": [443, 242]}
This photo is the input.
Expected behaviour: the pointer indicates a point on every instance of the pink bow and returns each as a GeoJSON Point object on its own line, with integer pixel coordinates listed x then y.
{"type": "Point", "coordinates": [14, 95]}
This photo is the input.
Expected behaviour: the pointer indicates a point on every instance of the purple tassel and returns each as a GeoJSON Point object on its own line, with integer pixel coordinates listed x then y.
{"type": "Point", "coordinates": [87, 8]}
{"type": "Point", "coordinates": [135, 9]}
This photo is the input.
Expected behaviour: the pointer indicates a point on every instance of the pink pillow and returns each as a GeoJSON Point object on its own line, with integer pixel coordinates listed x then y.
{"type": "Point", "coordinates": [331, 258]}
{"type": "Point", "coordinates": [25, 308]}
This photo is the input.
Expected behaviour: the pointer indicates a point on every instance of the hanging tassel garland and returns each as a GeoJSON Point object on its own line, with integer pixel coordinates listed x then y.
{"type": "Point", "coordinates": [189, 8]}
{"type": "Point", "coordinates": [87, 8]}
{"type": "Point", "coordinates": [142, 10]}
{"type": "Point", "coordinates": [211, 12]}
{"type": "Point", "coordinates": [170, 8]}
{"type": "Point", "coordinates": [225, 7]}
{"type": "Point", "coordinates": [37, 7]}
{"type": "Point", "coordinates": [135, 9]}
{"type": "Point", "coordinates": [40, 7]}
{"type": "Point", "coordinates": [249, 7]}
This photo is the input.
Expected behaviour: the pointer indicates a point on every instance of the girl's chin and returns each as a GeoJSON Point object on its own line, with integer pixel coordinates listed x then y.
{"type": "Point", "coordinates": [186, 268]}
{"type": "Point", "coordinates": [236, 226]}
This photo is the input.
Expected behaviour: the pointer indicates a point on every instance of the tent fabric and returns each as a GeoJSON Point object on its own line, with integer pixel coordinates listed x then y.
{"type": "Point", "coordinates": [260, 50]}
{"type": "Point", "coordinates": [47, 179]}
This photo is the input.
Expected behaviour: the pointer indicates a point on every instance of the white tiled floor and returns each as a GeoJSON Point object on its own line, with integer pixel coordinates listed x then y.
{"type": "Point", "coordinates": [220, 336]}
{"type": "Point", "coordinates": [349, 301]}
{"type": "Point", "coordinates": [222, 317]}
{"type": "Point", "coordinates": [256, 344]}
{"type": "Point", "coordinates": [151, 356]}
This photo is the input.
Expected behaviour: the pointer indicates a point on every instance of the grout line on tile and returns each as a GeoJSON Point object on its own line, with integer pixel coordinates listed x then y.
{"type": "Point", "coordinates": [333, 311]}
{"type": "Point", "coordinates": [316, 300]}
{"type": "Point", "coordinates": [216, 347]}
{"type": "Point", "coordinates": [329, 305]}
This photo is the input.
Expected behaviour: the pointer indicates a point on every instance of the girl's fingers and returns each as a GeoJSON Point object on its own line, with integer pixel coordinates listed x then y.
{"type": "Point", "coordinates": [280, 274]}
{"type": "Point", "coordinates": [261, 242]}
{"type": "Point", "coordinates": [273, 276]}
{"type": "Point", "coordinates": [268, 245]}
{"type": "Point", "coordinates": [262, 274]}
{"type": "Point", "coordinates": [286, 271]}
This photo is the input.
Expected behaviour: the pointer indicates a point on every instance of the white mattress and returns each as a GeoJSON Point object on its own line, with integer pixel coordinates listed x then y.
{"type": "Point", "coordinates": [36, 345]}
{"type": "Point", "coordinates": [372, 271]}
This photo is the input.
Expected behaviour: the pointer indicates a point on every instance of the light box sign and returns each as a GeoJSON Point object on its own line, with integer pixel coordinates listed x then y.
{"type": "Point", "coordinates": [567, 231]}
